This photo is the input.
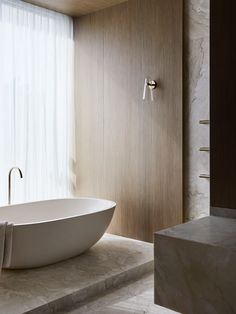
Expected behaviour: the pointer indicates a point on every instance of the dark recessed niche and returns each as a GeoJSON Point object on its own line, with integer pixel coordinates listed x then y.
{"type": "Point", "coordinates": [223, 103]}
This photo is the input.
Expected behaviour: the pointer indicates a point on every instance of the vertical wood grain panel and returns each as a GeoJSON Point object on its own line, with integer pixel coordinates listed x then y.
{"type": "Point", "coordinates": [134, 147]}
{"type": "Point", "coordinates": [89, 100]}
{"type": "Point", "coordinates": [75, 7]}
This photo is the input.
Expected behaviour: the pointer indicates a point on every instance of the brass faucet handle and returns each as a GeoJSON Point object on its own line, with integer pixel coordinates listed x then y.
{"type": "Point", "coordinates": [152, 84]}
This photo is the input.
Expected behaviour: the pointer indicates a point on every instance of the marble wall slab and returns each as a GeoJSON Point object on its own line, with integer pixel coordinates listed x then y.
{"type": "Point", "coordinates": [196, 107]}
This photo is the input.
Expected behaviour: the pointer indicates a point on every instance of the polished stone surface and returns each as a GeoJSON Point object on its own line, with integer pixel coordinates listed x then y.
{"type": "Point", "coordinates": [195, 266]}
{"type": "Point", "coordinates": [134, 298]}
{"type": "Point", "coordinates": [210, 230]}
{"type": "Point", "coordinates": [112, 261]}
{"type": "Point", "coordinates": [196, 107]}
{"type": "Point", "coordinates": [223, 212]}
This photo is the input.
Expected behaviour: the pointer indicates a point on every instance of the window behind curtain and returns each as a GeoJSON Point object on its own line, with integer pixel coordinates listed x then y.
{"type": "Point", "coordinates": [36, 101]}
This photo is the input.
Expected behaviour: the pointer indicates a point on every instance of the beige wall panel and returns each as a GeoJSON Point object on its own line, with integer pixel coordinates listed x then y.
{"type": "Point", "coordinates": [130, 150]}
{"type": "Point", "coordinates": [75, 7]}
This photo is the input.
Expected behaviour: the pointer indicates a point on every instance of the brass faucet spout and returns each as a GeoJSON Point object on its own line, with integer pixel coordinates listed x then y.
{"type": "Point", "coordinates": [9, 182]}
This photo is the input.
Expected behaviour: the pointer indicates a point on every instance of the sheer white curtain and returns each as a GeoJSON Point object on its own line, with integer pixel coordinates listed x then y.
{"type": "Point", "coordinates": [36, 101]}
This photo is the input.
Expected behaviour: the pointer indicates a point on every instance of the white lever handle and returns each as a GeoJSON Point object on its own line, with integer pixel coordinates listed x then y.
{"type": "Point", "coordinates": [151, 94]}
{"type": "Point", "coordinates": [151, 84]}
{"type": "Point", "coordinates": [145, 88]}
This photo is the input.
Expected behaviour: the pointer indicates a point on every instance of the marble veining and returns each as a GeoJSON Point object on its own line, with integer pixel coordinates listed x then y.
{"type": "Point", "coordinates": [196, 274]}
{"type": "Point", "coordinates": [49, 289]}
{"type": "Point", "coordinates": [210, 230]}
{"type": "Point", "coordinates": [134, 298]}
{"type": "Point", "coordinates": [196, 107]}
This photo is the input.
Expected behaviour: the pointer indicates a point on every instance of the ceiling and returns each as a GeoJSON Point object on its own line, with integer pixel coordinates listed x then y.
{"type": "Point", "coordinates": [75, 7]}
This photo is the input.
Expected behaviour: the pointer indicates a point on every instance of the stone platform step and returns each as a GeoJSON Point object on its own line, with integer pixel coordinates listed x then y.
{"type": "Point", "coordinates": [111, 262]}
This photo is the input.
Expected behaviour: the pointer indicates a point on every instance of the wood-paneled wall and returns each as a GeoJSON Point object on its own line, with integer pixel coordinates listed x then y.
{"type": "Point", "coordinates": [75, 7]}
{"type": "Point", "coordinates": [130, 150]}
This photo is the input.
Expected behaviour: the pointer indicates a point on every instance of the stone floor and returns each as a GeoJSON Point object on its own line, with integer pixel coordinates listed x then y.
{"type": "Point", "coordinates": [133, 298]}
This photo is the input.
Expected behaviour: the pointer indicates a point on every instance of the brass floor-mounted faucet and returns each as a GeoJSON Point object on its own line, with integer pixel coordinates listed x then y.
{"type": "Point", "coordinates": [9, 182]}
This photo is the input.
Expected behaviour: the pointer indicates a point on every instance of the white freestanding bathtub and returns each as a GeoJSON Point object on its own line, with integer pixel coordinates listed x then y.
{"type": "Point", "coordinates": [50, 231]}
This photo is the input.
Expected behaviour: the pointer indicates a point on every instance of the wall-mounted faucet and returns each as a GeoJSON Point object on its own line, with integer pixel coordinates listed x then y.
{"type": "Point", "coordinates": [151, 84]}
{"type": "Point", "coordinates": [9, 182]}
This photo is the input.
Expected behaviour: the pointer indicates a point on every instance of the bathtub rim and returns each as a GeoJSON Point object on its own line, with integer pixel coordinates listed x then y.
{"type": "Point", "coordinates": [112, 203]}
